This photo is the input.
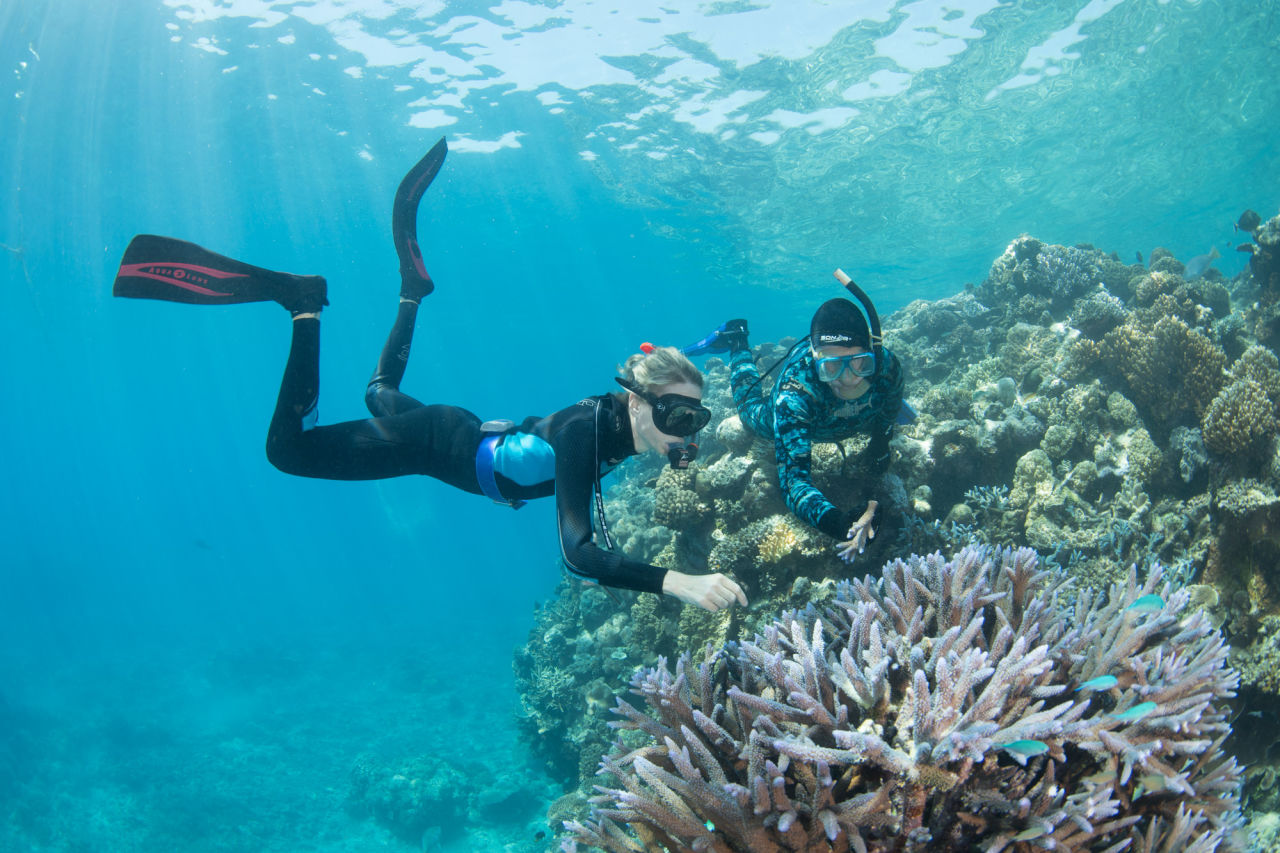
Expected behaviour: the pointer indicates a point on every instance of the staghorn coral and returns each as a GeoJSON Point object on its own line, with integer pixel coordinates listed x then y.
{"type": "Point", "coordinates": [948, 705]}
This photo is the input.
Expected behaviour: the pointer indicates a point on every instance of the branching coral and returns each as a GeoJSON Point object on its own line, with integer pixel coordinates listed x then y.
{"type": "Point", "coordinates": [1098, 313]}
{"type": "Point", "coordinates": [948, 705]}
{"type": "Point", "coordinates": [1260, 365]}
{"type": "Point", "coordinates": [1240, 421]}
{"type": "Point", "coordinates": [779, 542]}
{"type": "Point", "coordinates": [1032, 267]}
{"type": "Point", "coordinates": [1171, 369]}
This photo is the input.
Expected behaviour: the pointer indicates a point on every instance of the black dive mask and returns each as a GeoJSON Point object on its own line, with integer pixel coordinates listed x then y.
{"type": "Point", "coordinates": [673, 414]}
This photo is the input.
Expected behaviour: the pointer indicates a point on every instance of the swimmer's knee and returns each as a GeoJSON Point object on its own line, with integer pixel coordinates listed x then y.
{"type": "Point", "coordinates": [373, 398]}
{"type": "Point", "coordinates": [284, 454]}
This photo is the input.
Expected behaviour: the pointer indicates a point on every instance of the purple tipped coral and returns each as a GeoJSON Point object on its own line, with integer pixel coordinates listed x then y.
{"type": "Point", "coordinates": [937, 708]}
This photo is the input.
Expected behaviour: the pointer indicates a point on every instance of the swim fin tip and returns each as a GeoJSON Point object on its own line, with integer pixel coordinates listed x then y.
{"type": "Point", "coordinates": [177, 271]}
{"type": "Point", "coordinates": [415, 283]}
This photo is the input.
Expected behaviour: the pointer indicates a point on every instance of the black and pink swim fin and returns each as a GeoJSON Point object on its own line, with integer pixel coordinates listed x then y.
{"type": "Point", "coordinates": [156, 267]}
{"type": "Point", "coordinates": [177, 271]}
{"type": "Point", "coordinates": [414, 281]}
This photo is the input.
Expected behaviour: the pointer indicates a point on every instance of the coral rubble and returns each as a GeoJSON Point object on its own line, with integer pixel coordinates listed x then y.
{"type": "Point", "coordinates": [947, 705]}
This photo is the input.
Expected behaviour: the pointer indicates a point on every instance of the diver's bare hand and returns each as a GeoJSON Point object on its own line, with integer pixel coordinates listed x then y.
{"type": "Point", "coordinates": [710, 592]}
{"type": "Point", "coordinates": [860, 533]}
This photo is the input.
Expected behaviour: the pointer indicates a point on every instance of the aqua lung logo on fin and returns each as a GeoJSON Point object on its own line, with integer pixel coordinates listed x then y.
{"type": "Point", "coordinates": [191, 277]}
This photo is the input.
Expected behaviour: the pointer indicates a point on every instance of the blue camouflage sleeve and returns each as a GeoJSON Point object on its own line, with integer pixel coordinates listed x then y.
{"type": "Point", "coordinates": [748, 398]}
{"type": "Point", "coordinates": [794, 449]}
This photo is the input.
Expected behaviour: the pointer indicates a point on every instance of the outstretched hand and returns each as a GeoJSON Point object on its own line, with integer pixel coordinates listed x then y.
{"type": "Point", "coordinates": [860, 533]}
{"type": "Point", "coordinates": [710, 592]}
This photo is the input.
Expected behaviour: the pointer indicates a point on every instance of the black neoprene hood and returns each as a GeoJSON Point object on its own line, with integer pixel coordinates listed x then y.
{"type": "Point", "coordinates": [839, 323]}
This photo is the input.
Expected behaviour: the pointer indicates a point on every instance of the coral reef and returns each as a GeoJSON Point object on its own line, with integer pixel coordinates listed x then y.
{"type": "Point", "coordinates": [426, 799]}
{"type": "Point", "coordinates": [948, 704]}
{"type": "Point", "coordinates": [1111, 416]}
{"type": "Point", "coordinates": [414, 799]}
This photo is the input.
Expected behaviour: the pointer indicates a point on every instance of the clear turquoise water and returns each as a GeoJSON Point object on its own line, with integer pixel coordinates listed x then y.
{"type": "Point", "coordinates": [194, 648]}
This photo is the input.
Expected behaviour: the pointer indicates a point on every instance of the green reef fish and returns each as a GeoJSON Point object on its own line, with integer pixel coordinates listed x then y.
{"type": "Point", "coordinates": [1026, 747]}
{"type": "Point", "coordinates": [1102, 777]}
{"type": "Point", "coordinates": [1137, 712]}
{"type": "Point", "coordinates": [1147, 604]}
{"type": "Point", "coordinates": [1102, 682]}
{"type": "Point", "coordinates": [1033, 832]}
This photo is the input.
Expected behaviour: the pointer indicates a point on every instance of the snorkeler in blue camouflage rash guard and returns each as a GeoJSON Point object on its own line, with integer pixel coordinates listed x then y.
{"type": "Point", "coordinates": [829, 389]}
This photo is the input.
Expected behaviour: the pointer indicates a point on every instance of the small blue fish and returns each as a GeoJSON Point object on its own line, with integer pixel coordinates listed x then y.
{"type": "Point", "coordinates": [1102, 682]}
{"type": "Point", "coordinates": [1146, 604]}
{"type": "Point", "coordinates": [1137, 712]}
{"type": "Point", "coordinates": [1026, 747]}
{"type": "Point", "coordinates": [1198, 265]}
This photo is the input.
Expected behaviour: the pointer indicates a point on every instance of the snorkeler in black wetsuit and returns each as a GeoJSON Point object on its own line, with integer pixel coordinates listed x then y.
{"type": "Point", "coordinates": [563, 454]}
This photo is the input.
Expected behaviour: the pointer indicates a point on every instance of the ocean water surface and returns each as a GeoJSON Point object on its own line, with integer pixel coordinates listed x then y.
{"type": "Point", "coordinates": [197, 651]}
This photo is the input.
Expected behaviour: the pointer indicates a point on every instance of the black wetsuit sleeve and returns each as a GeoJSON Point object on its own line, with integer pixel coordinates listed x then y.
{"type": "Point", "coordinates": [575, 490]}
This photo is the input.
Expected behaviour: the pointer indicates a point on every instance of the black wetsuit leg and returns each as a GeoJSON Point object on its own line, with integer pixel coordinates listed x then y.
{"type": "Point", "coordinates": [437, 441]}
{"type": "Point", "coordinates": [383, 395]}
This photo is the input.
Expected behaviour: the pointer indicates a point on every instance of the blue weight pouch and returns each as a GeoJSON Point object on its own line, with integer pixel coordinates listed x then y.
{"type": "Point", "coordinates": [521, 457]}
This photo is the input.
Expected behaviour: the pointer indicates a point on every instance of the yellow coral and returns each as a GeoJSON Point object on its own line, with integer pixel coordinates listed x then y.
{"type": "Point", "coordinates": [778, 542]}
